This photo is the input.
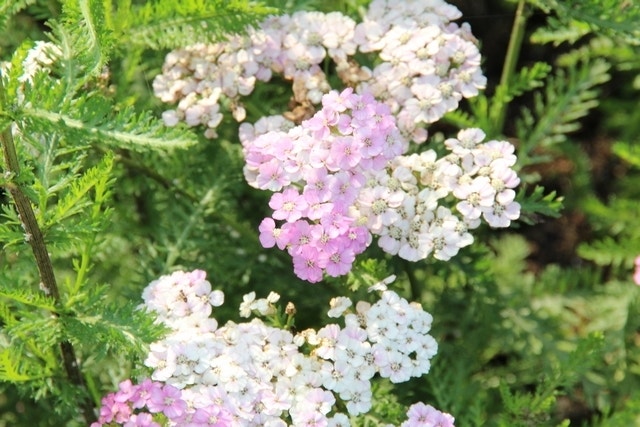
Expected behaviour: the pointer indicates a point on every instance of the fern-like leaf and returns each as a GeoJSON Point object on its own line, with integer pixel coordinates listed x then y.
{"type": "Point", "coordinates": [618, 18]}
{"type": "Point", "coordinates": [568, 96]}
{"type": "Point", "coordinates": [12, 367]}
{"type": "Point", "coordinates": [537, 203]}
{"type": "Point", "coordinates": [126, 129]}
{"type": "Point", "coordinates": [610, 251]}
{"type": "Point", "coordinates": [75, 199]}
{"type": "Point", "coordinates": [26, 297]}
{"type": "Point", "coordinates": [170, 24]}
{"type": "Point", "coordinates": [11, 232]}
{"type": "Point", "coordinates": [527, 79]}
{"type": "Point", "coordinates": [84, 40]}
{"type": "Point", "coordinates": [9, 8]}
{"type": "Point", "coordinates": [559, 32]}
{"type": "Point", "coordinates": [460, 119]}
{"type": "Point", "coordinates": [628, 152]}
{"type": "Point", "coordinates": [122, 329]}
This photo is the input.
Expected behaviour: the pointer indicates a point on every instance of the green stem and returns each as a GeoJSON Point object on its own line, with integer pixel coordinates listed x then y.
{"type": "Point", "coordinates": [413, 281]}
{"type": "Point", "coordinates": [511, 59]}
{"type": "Point", "coordinates": [35, 238]}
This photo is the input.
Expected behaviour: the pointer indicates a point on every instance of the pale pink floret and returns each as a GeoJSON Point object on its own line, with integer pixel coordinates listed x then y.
{"type": "Point", "coordinates": [421, 415]}
{"type": "Point", "coordinates": [288, 205]}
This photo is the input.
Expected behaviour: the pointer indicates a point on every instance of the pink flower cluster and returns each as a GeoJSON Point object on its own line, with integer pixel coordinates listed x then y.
{"type": "Point", "coordinates": [636, 274]}
{"type": "Point", "coordinates": [406, 204]}
{"type": "Point", "coordinates": [316, 171]}
{"type": "Point", "coordinates": [421, 415]}
{"type": "Point", "coordinates": [135, 405]}
{"type": "Point", "coordinates": [325, 181]}
{"type": "Point", "coordinates": [252, 374]}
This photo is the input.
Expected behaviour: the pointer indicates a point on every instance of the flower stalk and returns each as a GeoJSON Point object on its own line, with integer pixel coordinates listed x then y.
{"type": "Point", "coordinates": [511, 58]}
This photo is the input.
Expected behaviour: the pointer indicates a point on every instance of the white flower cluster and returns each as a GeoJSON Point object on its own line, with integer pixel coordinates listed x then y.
{"type": "Point", "coordinates": [260, 374]}
{"type": "Point", "coordinates": [197, 76]}
{"type": "Point", "coordinates": [425, 64]}
{"type": "Point", "coordinates": [404, 204]}
{"type": "Point", "coordinates": [428, 63]}
{"type": "Point", "coordinates": [40, 58]}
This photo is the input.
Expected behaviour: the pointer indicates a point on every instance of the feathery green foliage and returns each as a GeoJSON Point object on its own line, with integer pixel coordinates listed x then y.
{"type": "Point", "coordinates": [568, 96]}
{"type": "Point", "coordinates": [618, 18]}
{"type": "Point", "coordinates": [9, 8]}
{"type": "Point", "coordinates": [537, 203]}
{"type": "Point", "coordinates": [164, 24]}
{"type": "Point", "coordinates": [486, 110]}
{"type": "Point", "coordinates": [628, 152]}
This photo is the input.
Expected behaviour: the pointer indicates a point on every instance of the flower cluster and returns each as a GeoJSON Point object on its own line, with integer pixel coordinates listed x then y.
{"type": "Point", "coordinates": [636, 273]}
{"type": "Point", "coordinates": [428, 64]}
{"type": "Point", "coordinates": [425, 64]}
{"type": "Point", "coordinates": [405, 205]}
{"type": "Point", "coordinates": [337, 180]}
{"type": "Point", "coordinates": [339, 177]}
{"type": "Point", "coordinates": [421, 415]}
{"type": "Point", "coordinates": [316, 171]}
{"type": "Point", "coordinates": [134, 405]}
{"type": "Point", "coordinates": [294, 46]}
{"type": "Point", "coordinates": [39, 59]}
{"type": "Point", "coordinates": [252, 374]}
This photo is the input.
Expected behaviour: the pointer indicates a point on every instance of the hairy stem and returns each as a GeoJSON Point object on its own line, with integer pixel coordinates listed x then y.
{"type": "Point", "coordinates": [511, 59]}
{"type": "Point", "coordinates": [33, 235]}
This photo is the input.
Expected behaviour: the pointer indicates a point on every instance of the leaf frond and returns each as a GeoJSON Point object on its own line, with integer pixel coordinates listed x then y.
{"type": "Point", "coordinates": [613, 17]}
{"type": "Point", "coordinates": [126, 129]}
{"type": "Point", "coordinates": [9, 8]}
{"type": "Point", "coordinates": [84, 40]}
{"type": "Point", "coordinates": [568, 96]}
{"type": "Point", "coordinates": [537, 203]}
{"type": "Point", "coordinates": [75, 199]}
{"type": "Point", "coordinates": [28, 298]}
{"type": "Point", "coordinates": [169, 24]}
{"type": "Point", "coordinates": [13, 367]}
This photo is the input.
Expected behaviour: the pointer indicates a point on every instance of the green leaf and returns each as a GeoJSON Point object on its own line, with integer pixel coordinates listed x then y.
{"type": "Point", "coordinates": [27, 297]}
{"type": "Point", "coordinates": [122, 329]}
{"type": "Point", "coordinates": [618, 18]}
{"type": "Point", "coordinates": [537, 203]}
{"type": "Point", "coordinates": [171, 24]}
{"type": "Point", "coordinates": [568, 96]}
{"type": "Point", "coordinates": [75, 200]}
{"type": "Point", "coordinates": [558, 32]}
{"type": "Point", "coordinates": [9, 8]}
{"type": "Point", "coordinates": [629, 152]}
{"type": "Point", "coordinates": [611, 252]}
{"type": "Point", "coordinates": [13, 367]}
{"type": "Point", "coordinates": [84, 40]}
{"type": "Point", "coordinates": [126, 129]}
{"type": "Point", "coordinates": [527, 79]}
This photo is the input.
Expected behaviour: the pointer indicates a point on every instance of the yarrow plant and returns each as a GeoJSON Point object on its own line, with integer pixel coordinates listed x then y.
{"type": "Point", "coordinates": [340, 177]}
{"type": "Point", "coordinates": [341, 148]}
{"type": "Point", "coordinates": [250, 373]}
